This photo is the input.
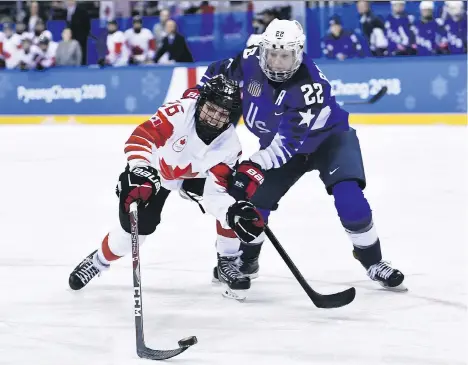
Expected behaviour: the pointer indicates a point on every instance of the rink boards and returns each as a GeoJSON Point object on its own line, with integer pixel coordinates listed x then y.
{"type": "Point", "coordinates": [422, 90]}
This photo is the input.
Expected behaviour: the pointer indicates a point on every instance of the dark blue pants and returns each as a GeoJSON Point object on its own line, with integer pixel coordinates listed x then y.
{"type": "Point", "coordinates": [337, 159]}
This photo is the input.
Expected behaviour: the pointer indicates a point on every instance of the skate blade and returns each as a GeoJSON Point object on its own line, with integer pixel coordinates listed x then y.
{"type": "Point", "coordinates": [251, 276]}
{"type": "Point", "coordinates": [397, 289]}
{"type": "Point", "coordinates": [239, 295]}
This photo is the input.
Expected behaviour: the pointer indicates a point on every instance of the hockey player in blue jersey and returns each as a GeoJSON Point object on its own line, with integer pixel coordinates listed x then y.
{"type": "Point", "coordinates": [340, 44]}
{"type": "Point", "coordinates": [455, 26]}
{"type": "Point", "coordinates": [289, 105]}
{"type": "Point", "coordinates": [431, 38]}
{"type": "Point", "coordinates": [401, 39]}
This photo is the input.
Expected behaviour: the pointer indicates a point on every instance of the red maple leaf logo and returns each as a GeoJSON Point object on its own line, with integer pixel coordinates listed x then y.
{"type": "Point", "coordinates": [170, 173]}
{"type": "Point", "coordinates": [182, 142]}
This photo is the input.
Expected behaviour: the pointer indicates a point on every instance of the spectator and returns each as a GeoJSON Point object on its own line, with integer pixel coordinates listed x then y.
{"type": "Point", "coordinates": [455, 26]}
{"type": "Point", "coordinates": [117, 52]}
{"type": "Point", "coordinates": [80, 25]}
{"type": "Point", "coordinates": [340, 44]}
{"type": "Point", "coordinates": [46, 56]}
{"type": "Point", "coordinates": [174, 45]}
{"type": "Point", "coordinates": [11, 46]}
{"type": "Point", "coordinates": [373, 29]}
{"type": "Point", "coordinates": [40, 31]}
{"type": "Point", "coordinates": [206, 8]}
{"type": "Point", "coordinates": [430, 36]}
{"type": "Point", "coordinates": [2, 55]}
{"type": "Point", "coordinates": [267, 16]}
{"type": "Point", "coordinates": [401, 39]}
{"type": "Point", "coordinates": [68, 50]}
{"type": "Point", "coordinates": [28, 54]}
{"type": "Point", "coordinates": [159, 28]}
{"type": "Point", "coordinates": [20, 29]}
{"type": "Point", "coordinates": [140, 43]}
{"type": "Point", "coordinates": [33, 16]}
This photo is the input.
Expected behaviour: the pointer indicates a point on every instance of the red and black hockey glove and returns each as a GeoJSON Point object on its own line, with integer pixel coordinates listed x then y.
{"type": "Point", "coordinates": [245, 220]}
{"type": "Point", "coordinates": [139, 184]}
{"type": "Point", "coordinates": [245, 180]}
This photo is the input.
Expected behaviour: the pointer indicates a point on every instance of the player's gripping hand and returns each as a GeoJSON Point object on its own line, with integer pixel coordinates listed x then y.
{"type": "Point", "coordinates": [245, 180]}
{"type": "Point", "coordinates": [138, 184]}
{"type": "Point", "coordinates": [245, 220]}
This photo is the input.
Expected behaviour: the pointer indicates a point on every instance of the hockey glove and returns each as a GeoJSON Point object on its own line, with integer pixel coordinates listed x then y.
{"type": "Point", "coordinates": [139, 184]}
{"type": "Point", "coordinates": [245, 220]}
{"type": "Point", "coordinates": [245, 180]}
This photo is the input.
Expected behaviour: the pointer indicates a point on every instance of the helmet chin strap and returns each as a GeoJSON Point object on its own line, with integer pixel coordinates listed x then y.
{"type": "Point", "coordinates": [208, 133]}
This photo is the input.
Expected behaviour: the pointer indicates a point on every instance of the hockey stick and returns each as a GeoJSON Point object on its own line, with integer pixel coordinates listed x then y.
{"type": "Point", "coordinates": [142, 350]}
{"type": "Point", "coordinates": [320, 300]}
{"type": "Point", "coordinates": [371, 100]}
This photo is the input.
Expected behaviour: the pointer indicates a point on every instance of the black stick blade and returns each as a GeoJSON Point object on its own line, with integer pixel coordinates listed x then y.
{"type": "Point", "coordinates": [147, 353]}
{"type": "Point", "coordinates": [379, 95]}
{"type": "Point", "coordinates": [335, 300]}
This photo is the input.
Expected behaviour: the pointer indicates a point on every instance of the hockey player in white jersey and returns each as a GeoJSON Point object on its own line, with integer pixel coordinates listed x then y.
{"type": "Point", "coordinates": [140, 43]}
{"type": "Point", "coordinates": [117, 51]}
{"type": "Point", "coordinates": [27, 56]}
{"type": "Point", "coordinates": [48, 52]}
{"type": "Point", "coordinates": [186, 140]}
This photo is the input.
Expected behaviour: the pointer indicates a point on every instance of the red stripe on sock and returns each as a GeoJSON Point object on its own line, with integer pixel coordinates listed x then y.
{"type": "Point", "coordinates": [224, 232]}
{"type": "Point", "coordinates": [109, 256]}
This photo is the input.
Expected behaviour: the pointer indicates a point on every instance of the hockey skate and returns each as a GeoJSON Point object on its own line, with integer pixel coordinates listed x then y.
{"type": "Point", "coordinates": [85, 271]}
{"type": "Point", "coordinates": [235, 284]}
{"type": "Point", "coordinates": [249, 258]}
{"type": "Point", "coordinates": [386, 276]}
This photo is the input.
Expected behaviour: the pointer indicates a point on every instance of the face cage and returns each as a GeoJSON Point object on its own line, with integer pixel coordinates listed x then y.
{"type": "Point", "coordinates": [206, 131]}
{"type": "Point", "coordinates": [279, 76]}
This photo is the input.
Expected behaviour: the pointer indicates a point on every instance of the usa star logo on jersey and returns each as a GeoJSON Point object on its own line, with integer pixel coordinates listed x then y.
{"type": "Point", "coordinates": [180, 144]}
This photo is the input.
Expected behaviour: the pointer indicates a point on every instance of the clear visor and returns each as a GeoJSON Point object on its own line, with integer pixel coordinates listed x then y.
{"type": "Point", "coordinates": [280, 60]}
{"type": "Point", "coordinates": [426, 13]}
{"type": "Point", "coordinates": [279, 64]}
{"type": "Point", "coordinates": [214, 115]}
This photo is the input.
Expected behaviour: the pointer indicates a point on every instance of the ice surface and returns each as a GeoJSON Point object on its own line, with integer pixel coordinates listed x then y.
{"type": "Point", "coordinates": [57, 202]}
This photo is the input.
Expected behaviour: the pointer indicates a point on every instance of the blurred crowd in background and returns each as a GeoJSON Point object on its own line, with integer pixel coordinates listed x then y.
{"type": "Point", "coordinates": [39, 35]}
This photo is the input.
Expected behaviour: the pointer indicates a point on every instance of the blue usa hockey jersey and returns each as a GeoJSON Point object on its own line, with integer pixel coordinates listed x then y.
{"type": "Point", "coordinates": [346, 44]}
{"type": "Point", "coordinates": [456, 35]}
{"type": "Point", "coordinates": [399, 35]}
{"type": "Point", "coordinates": [295, 116]}
{"type": "Point", "coordinates": [431, 38]}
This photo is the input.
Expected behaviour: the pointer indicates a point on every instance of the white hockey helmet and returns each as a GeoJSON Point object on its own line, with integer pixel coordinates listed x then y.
{"type": "Point", "coordinates": [398, 5]}
{"type": "Point", "coordinates": [281, 49]}
{"type": "Point", "coordinates": [454, 8]}
{"type": "Point", "coordinates": [426, 5]}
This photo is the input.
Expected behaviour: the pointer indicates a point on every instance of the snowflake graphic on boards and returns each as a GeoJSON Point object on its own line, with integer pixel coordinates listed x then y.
{"type": "Point", "coordinates": [410, 102]}
{"type": "Point", "coordinates": [115, 81]}
{"type": "Point", "coordinates": [150, 85]}
{"type": "Point", "coordinates": [461, 101]}
{"type": "Point", "coordinates": [439, 87]}
{"type": "Point", "coordinates": [453, 70]}
{"type": "Point", "coordinates": [130, 103]}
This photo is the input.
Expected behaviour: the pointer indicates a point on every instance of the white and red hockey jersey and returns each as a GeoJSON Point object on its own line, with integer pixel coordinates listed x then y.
{"type": "Point", "coordinates": [29, 58]}
{"type": "Point", "coordinates": [169, 142]}
{"type": "Point", "coordinates": [47, 59]}
{"type": "Point", "coordinates": [117, 52]}
{"type": "Point", "coordinates": [10, 50]}
{"type": "Point", "coordinates": [46, 33]}
{"type": "Point", "coordinates": [2, 40]}
{"type": "Point", "coordinates": [141, 46]}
